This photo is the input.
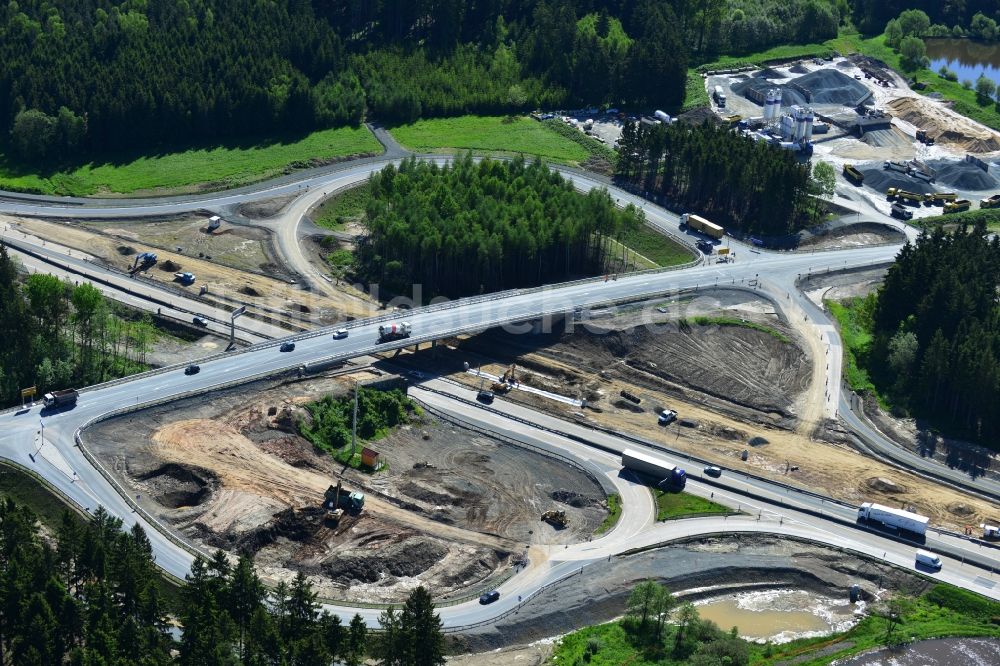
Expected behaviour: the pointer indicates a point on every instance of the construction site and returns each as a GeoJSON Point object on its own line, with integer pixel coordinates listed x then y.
{"type": "Point", "coordinates": [882, 137]}
{"type": "Point", "coordinates": [450, 508]}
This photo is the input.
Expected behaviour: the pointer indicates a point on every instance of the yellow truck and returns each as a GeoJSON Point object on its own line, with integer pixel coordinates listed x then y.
{"type": "Point", "coordinates": [903, 195]}
{"type": "Point", "coordinates": [957, 206]}
{"type": "Point", "coordinates": [698, 223]}
{"type": "Point", "coordinates": [940, 197]}
{"type": "Point", "coordinates": [852, 174]}
{"type": "Point", "coordinates": [992, 202]}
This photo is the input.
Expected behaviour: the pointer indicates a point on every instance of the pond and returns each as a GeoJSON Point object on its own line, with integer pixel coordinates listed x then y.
{"type": "Point", "coordinates": [968, 59]}
{"type": "Point", "coordinates": [780, 615]}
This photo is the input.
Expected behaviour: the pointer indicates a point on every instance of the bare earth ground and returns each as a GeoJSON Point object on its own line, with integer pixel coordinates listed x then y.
{"type": "Point", "coordinates": [224, 473]}
{"type": "Point", "coordinates": [228, 284]}
{"type": "Point", "coordinates": [731, 385]}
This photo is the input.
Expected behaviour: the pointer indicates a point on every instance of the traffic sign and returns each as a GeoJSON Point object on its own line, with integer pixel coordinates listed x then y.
{"type": "Point", "coordinates": [28, 392]}
{"type": "Point", "coordinates": [238, 311]}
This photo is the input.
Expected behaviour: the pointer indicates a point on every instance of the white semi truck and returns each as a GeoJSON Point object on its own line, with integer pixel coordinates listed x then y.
{"type": "Point", "coordinates": [894, 518]}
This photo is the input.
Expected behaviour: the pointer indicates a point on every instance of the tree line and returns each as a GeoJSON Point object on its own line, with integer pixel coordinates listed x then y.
{"type": "Point", "coordinates": [105, 75]}
{"type": "Point", "coordinates": [968, 18]}
{"type": "Point", "coordinates": [469, 228]}
{"type": "Point", "coordinates": [936, 332]}
{"type": "Point", "coordinates": [735, 181]}
{"type": "Point", "coordinates": [92, 596]}
{"type": "Point", "coordinates": [57, 335]}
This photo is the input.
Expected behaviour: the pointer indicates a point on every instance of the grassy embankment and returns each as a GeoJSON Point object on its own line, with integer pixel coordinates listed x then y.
{"type": "Point", "coordinates": [671, 506]}
{"type": "Point", "coordinates": [853, 319]}
{"type": "Point", "coordinates": [991, 216]}
{"type": "Point", "coordinates": [741, 323]}
{"type": "Point", "coordinates": [193, 169]}
{"type": "Point", "coordinates": [614, 513]}
{"type": "Point", "coordinates": [942, 611]}
{"type": "Point", "coordinates": [28, 490]}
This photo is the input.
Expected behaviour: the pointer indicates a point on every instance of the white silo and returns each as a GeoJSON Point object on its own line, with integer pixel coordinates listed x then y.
{"type": "Point", "coordinates": [774, 104]}
{"type": "Point", "coordinates": [810, 117]}
{"type": "Point", "coordinates": [798, 118]}
{"type": "Point", "coordinates": [788, 126]}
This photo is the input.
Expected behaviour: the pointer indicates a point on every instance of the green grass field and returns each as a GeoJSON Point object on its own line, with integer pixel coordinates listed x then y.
{"type": "Point", "coordinates": [856, 342]}
{"type": "Point", "coordinates": [196, 169]}
{"type": "Point", "coordinates": [657, 247]}
{"type": "Point", "coordinates": [741, 323]}
{"type": "Point", "coordinates": [671, 506]}
{"type": "Point", "coordinates": [492, 135]}
{"type": "Point", "coordinates": [348, 206]}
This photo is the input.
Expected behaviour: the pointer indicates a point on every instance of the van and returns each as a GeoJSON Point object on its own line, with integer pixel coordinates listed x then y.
{"type": "Point", "coordinates": [928, 559]}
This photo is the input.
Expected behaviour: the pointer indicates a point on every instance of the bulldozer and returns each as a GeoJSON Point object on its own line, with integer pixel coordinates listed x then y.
{"type": "Point", "coordinates": [556, 517]}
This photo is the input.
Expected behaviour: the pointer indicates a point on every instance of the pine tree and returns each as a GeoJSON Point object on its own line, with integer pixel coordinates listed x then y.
{"type": "Point", "coordinates": [420, 628]}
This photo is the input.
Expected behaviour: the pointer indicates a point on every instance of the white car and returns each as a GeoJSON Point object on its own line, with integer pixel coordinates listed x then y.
{"type": "Point", "coordinates": [667, 416]}
{"type": "Point", "coordinates": [340, 334]}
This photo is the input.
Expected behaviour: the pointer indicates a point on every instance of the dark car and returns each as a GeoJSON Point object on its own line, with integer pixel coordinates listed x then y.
{"type": "Point", "coordinates": [485, 397]}
{"type": "Point", "coordinates": [713, 471]}
{"type": "Point", "coordinates": [287, 346]}
{"type": "Point", "coordinates": [200, 321]}
{"type": "Point", "coordinates": [192, 370]}
{"type": "Point", "coordinates": [489, 597]}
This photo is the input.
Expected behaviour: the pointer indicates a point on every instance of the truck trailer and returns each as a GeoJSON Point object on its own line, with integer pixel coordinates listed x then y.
{"type": "Point", "coordinates": [894, 518]}
{"type": "Point", "coordinates": [852, 174]}
{"type": "Point", "coordinates": [698, 223]}
{"type": "Point", "coordinates": [393, 331]}
{"type": "Point", "coordinates": [719, 96]}
{"type": "Point", "coordinates": [61, 398]}
{"type": "Point", "coordinates": [654, 467]}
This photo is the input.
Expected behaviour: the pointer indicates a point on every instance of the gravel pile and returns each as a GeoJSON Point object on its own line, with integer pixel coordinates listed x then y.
{"type": "Point", "coordinates": [829, 86]}
{"type": "Point", "coordinates": [882, 179]}
{"type": "Point", "coordinates": [798, 68]}
{"type": "Point", "coordinates": [963, 176]}
{"type": "Point", "coordinates": [788, 95]}
{"type": "Point", "coordinates": [770, 73]}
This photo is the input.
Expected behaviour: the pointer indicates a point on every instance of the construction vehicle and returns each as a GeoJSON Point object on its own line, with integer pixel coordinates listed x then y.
{"type": "Point", "coordinates": [719, 96]}
{"type": "Point", "coordinates": [556, 518]}
{"type": "Point", "coordinates": [61, 398]}
{"type": "Point", "coordinates": [923, 138]}
{"type": "Point", "coordinates": [500, 387]}
{"type": "Point", "coordinates": [142, 261]}
{"type": "Point", "coordinates": [940, 197]}
{"type": "Point", "coordinates": [990, 532]}
{"type": "Point", "coordinates": [852, 174]}
{"type": "Point", "coordinates": [903, 195]}
{"type": "Point", "coordinates": [698, 223]}
{"type": "Point", "coordinates": [957, 206]}
{"type": "Point", "coordinates": [890, 165]}
{"type": "Point", "coordinates": [992, 202]}
{"type": "Point", "coordinates": [508, 376]}
{"type": "Point", "coordinates": [337, 500]}
{"type": "Point", "coordinates": [214, 223]}
{"type": "Point", "coordinates": [184, 278]}
{"type": "Point", "coordinates": [902, 212]}
{"type": "Point", "coordinates": [394, 331]}
{"type": "Point", "coordinates": [734, 119]}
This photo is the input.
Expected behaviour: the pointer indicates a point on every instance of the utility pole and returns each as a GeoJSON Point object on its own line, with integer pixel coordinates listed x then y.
{"type": "Point", "coordinates": [354, 428]}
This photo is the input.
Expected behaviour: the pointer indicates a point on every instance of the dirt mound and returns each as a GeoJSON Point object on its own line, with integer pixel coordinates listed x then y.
{"type": "Point", "coordinates": [626, 404]}
{"type": "Point", "coordinates": [176, 486]}
{"type": "Point", "coordinates": [170, 266]}
{"type": "Point", "coordinates": [846, 64]}
{"type": "Point", "coordinates": [798, 68]}
{"type": "Point", "coordinates": [410, 556]}
{"type": "Point", "coordinates": [757, 441]}
{"type": "Point", "coordinates": [885, 485]}
{"type": "Point", "coordinates": [574, 499]}
{"type": "Point", "coordinates": [944, 127]}
{"type": "Point", "coordinates": [424, 494]}
{"type": "Point", "coordinates": [698, 116]}
{"type": "Point", "coordinates": [288, 524]}
{"type": "Point", "coordinates": [125, 250]}
{"type": "Point", "coordinates": [248, 291]}
{"type": "Point", "coordinates": [770, 73]}
{"type": "Point", "coordinates": [882, 179]}
{"type": "Point", "coordinates": [829, 86]}
{"type": "Point", "coordinates": [961, 509]}
{"type": "Point", "coordinates": [963, 176]}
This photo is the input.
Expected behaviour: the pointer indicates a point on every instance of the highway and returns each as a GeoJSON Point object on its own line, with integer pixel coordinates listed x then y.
{"type": "Point", "coordinates": [62, 463]}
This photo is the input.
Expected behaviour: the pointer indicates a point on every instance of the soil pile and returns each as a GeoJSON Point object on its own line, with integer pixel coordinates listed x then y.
{"type": "Point", "coordinates": [882, 179]}
{"type": "Point", "coordinates": [829, 86]}
{"type": "Point", "coordinates": [943, 127]}
{"type": "Point", "coordinates": [699, 116]}
{"type": "Point", "coordinates": [963, 176]}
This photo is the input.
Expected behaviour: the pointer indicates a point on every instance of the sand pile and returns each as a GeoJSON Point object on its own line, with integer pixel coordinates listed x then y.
{"type": "Point", "coordinates": [944, 127]}
{"type": "Point", "coordinates": [881, 180]}
{"type": "Point", "coordinates": [963, 176]}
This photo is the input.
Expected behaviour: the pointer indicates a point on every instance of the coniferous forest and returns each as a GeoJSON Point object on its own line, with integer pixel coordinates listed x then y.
{"type": "Point", "coordinates": [105, 75]}
{"type": "Point", "coordinates": [470, 228]}
{"type": "Point", "coordinates": [936, 332]}
{"type": "Point", "coordinates": [91, 595]}
{"type": "Point", "coordinates": [737, 182]}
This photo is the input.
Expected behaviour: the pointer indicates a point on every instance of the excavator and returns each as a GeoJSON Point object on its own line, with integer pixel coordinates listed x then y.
{"type": "Point", "coordinates": [506, 380]}
{"type": "Point", "coordinates": [556, 517]}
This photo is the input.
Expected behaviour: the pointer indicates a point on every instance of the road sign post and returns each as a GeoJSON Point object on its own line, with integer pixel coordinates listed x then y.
{"type": "Point", "coordinates": [238, 312]}
{"type": "Point", "coordinates": [28, 393]}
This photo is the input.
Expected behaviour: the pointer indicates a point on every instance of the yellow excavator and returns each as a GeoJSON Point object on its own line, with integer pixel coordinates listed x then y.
{"type": "Point", "coordinates": [556, 517]}
{"type": "Point", "coordinates": [506, 380]}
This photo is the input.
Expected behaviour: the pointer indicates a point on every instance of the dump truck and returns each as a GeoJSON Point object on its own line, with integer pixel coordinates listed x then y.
{"type": "Point", "coordinates": [902, 212]}
{"type": "Point", "coordinates": [940, 197]}
{"type": "Point", "coordinates": [957, 206]}
{"type": "Point", "coordinates": [698, 223]}
{"type": "Point", "coordinates": [654, 467]}
{"type": "Point", "coordinates": [339, 498]}
{"type": "Point", "coordinates": [60, 398]}
{"type": "Point", "coordinates": [852, 174]}
{"type": "Point", "coordinates": [903, 195]}
{"type": "Point", "coordinates": [992, 202]}
{"type": "Point", "coordinates": [893, 518]}
{"type": "Point", "coordinates": [923, 138]}
{"type": "Point", "coordinates": [719, 96]}
{"type": "Point", "coordinates": [555, 517]}
{"type": "Point", "coordinates": [393, 331]}
{"type": "Point", "coordinates": [890, 165]}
